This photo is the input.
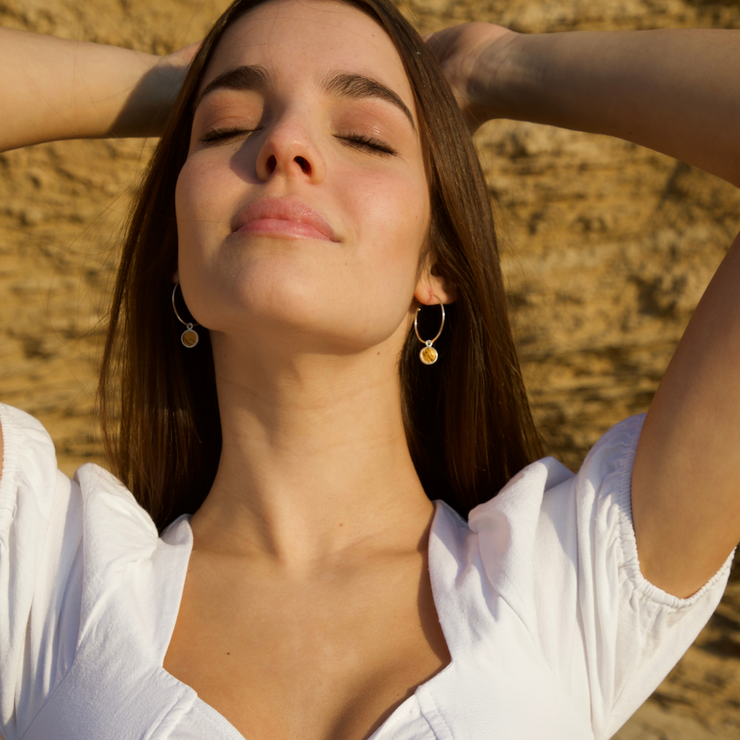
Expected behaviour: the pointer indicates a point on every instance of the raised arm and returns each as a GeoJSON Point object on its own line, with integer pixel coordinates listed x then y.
{"type": "Point", "coordinates": [676, 92]}
{"type": "Point", "coordinates": [54, 89]}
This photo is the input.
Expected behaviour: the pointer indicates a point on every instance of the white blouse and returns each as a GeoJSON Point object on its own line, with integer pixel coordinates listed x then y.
{"type": "Point", "coordinates": [553, 631]}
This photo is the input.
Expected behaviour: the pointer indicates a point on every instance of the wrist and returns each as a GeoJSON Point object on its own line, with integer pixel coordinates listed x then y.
{"type": "Point", "coordinates": [145, 108]}
{"type": "Point", "coordinates": [148, 106]}
{"type": "Point", "coordinates": [508, 78]}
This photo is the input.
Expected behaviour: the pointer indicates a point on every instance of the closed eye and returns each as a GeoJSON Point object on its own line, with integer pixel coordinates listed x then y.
{"type": "Point", "coordinates": [357, 141]}
{"type": "Point", "coordinates": [360, 141]}
{"type": "Point", "coordinates": [224, 134]}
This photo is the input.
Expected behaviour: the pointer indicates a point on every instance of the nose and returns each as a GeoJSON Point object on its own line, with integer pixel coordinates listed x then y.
{"type": "Point", "coordinates": [290, 150]}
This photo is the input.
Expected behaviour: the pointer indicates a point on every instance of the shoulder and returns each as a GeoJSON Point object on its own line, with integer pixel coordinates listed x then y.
{"type": "Point", "coordinates": [606, 469]}
{"type": "Point", "coordinates": [30, 479]}
{"type": "Point", "coordinates": [56, 535]}
{"type": "Point", "coordinates": [42, 511]}
{"type": "Point", "coordinates": [30, 473]}
{"type": "Point", "coordinates": [546, 498]}
{"type": "Point", "coordinates": [558, 550]}
{"type": "Point", "coordinates": [26, 446]}
{"type": "Point", "coordinates": [551, 530]}
{"type": "Point", "coordinates": [32, 491]}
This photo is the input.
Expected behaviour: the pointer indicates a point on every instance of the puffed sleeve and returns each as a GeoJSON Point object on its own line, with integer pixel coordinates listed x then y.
{"type": "Point", "coordinates": [571, 569]}
{"type": "Point", "coordinates": [40, 542]}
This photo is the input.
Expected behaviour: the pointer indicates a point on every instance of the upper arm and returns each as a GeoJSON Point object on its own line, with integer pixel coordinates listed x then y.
{"type": "Point", "coordinates": [686, 477]}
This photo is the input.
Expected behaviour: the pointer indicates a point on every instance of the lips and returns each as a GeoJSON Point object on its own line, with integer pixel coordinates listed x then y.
{"type": "Point", "coordinates": [284, 216]}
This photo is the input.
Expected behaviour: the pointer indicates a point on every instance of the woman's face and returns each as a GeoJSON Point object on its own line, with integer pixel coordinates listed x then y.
{"type": "Point", "coordinates": [303, 205]}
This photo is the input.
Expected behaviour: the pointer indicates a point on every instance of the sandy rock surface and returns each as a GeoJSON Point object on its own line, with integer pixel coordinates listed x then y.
{"type": "Point", "coordinates": [608, 249]}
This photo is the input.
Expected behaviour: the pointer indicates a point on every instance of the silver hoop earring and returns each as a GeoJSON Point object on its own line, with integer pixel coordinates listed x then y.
{"type": "Point", "coordinates": [428, 354]}
{"type": "Point", "coordinates": [189, 337]}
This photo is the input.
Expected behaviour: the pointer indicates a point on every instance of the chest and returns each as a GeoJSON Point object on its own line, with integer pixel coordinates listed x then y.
{"type": "Point", "coordinates": [324, 660]}
{"type": "Point", "coordinates": [497, 684]}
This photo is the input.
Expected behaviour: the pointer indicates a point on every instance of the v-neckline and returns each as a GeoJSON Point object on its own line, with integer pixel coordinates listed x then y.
{"type": "Point", "coordinates": [211, 713]}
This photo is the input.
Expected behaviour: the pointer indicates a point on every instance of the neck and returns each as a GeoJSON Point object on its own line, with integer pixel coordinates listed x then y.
{"type": "Point", "coordinates": [314, 462]}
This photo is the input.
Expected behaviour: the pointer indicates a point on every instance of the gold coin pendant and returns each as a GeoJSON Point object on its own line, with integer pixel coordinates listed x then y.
{"type": "Point", "coordinates": [429, 355]}
{"type": "Point", "coordinates": [189, 338]}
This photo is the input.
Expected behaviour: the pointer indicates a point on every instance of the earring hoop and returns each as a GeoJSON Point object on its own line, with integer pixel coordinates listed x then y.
{"type": "Point", "coordinates": [428, 355]}
{"type": "Point", "coordinates": [189, 337]}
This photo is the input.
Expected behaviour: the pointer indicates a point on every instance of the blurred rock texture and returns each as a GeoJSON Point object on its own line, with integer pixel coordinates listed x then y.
{"type": "Point", "coordinates": [608, 248]}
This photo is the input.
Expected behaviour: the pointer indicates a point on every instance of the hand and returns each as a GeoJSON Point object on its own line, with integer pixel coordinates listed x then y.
{"type": "Point", "coordinates": [160, 86]}
{"type": "Point", "coordinates": [471, 56]}
{"type": "Point", "coordinates": [148, 106]}
{"type": "Point", "coordinates": [182, 57]}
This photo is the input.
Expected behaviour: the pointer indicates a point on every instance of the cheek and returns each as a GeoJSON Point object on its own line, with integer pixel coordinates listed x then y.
{"type": "Point", "coordinates": [391, 218]}
{"type": "Point", "coordinates": [202, 207]}
{"type": "Point", "coordinates": [198, 200]}
{"type": "Point", "coordinates": [203, 221]}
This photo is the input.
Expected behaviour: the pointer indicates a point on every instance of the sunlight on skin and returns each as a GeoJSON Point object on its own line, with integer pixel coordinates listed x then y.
{"type": "Point", "coordinates": [306, 329]}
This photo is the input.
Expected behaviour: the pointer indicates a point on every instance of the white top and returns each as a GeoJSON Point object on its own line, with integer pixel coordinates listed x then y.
{"type": "Point", "coordinates": [553, 631]}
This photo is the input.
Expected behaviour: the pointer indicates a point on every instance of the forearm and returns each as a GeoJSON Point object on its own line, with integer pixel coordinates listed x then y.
{"type": "Point", "coordinates": [53, 89]}
{"type": "Point", "coordinates": [675, 91]}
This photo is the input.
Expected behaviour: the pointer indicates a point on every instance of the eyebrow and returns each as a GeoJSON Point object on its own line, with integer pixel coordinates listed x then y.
{"type": "Point", "coordinates": [356, 87]}
{"type": "Point", "coordinates": [251, 77]}
{"type": "Point", "coordinates": [340, 84]}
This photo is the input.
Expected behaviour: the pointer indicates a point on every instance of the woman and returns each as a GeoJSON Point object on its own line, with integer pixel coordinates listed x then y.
{"type": "Point", "coordinates": [314, 188]}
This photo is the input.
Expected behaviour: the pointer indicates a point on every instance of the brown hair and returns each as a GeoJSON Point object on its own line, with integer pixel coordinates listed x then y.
{"type": "Point", "coordinates": [467, 418]}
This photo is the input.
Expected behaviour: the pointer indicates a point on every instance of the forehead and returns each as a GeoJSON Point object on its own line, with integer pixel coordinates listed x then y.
{"type": "Point", "coordinates": [298, 39]}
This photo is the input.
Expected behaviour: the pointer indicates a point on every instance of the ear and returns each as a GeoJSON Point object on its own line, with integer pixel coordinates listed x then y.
{"type": "Point", "coordinates": [431, 288]}
{"type": "Point", "coordinates": [176, 276]}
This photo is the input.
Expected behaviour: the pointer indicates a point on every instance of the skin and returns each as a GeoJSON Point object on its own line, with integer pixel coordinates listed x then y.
{"type": "Point", "coordinates": [306, 332]}
{"type": "Point", "coordinates": [317, 518]}
{"type": "Point", "coordinates": [60, 89]}
{"type": "Point", "coordinates": [637, 85]}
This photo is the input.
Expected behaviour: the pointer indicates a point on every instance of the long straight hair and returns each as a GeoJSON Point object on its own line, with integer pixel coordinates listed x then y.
{"type": "Point", "coordinates": [467, 418]}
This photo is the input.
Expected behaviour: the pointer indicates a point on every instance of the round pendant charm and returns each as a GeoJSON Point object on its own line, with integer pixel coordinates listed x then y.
{"type": "Point", "coordinates": [189, 338]}
{"type": "Point", "coordinates": [428, 355]}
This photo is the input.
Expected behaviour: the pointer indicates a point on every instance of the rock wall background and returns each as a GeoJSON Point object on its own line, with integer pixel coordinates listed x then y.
{"type": "Point", "coordinates": [608, 249]}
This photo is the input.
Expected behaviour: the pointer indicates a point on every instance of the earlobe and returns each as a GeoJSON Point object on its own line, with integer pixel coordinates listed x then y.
{"type": "Point", "coordinates": [432, 289]}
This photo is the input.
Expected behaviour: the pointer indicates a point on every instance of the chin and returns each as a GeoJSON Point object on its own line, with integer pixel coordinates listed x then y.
{"type": "Point", "coordinates": [286, 300]}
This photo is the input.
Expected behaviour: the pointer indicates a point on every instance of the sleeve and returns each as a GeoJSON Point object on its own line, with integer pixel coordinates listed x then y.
{"type": "Point", "coordinates": [560, 549]}
{"type": "Point", "coordinates": [622, 633]}
{"type": "Point", "coordinates": [40, 543]}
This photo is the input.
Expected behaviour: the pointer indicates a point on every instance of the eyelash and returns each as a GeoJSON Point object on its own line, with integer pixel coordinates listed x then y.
{"type": "Point", "coordinates": [222, 134]}
{"type": "Point", "coordinates": [362, 141]}
{"type": "Point", "coordinates": [358, 141]}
